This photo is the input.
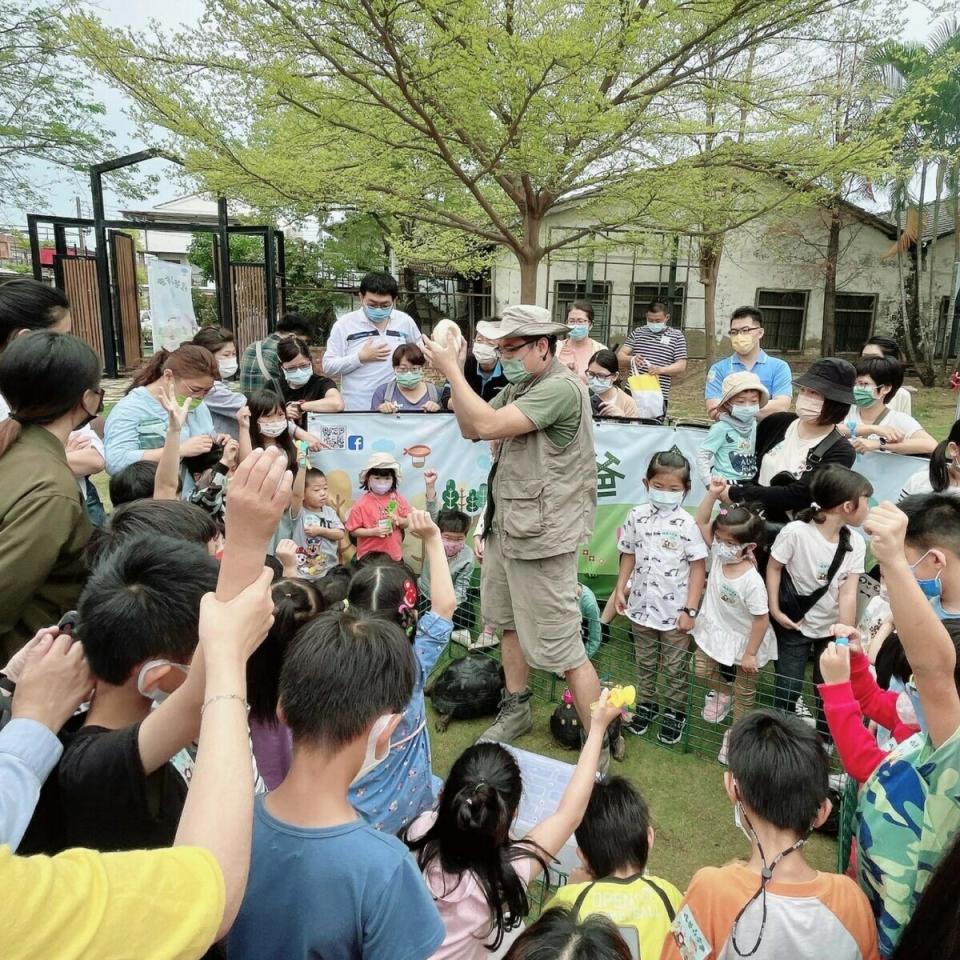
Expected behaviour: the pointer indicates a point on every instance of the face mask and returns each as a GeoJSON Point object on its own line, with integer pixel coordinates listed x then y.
{"type": "Point", "coordinates": [726, 552]}
{"type": "Point", "coordinates": [380, 485]}
{"type": "Point", "coordinates": [228, 368]}
{"type": "Point", "coordinates": [410, 379]}
{"type": "Point", "coordinates": [451, 548]}
{"type": "Point", "coordinates": [656, 327]}
{"type": "Point", "coordinates": [930, 586]}
{"type": "Point", "coordinates": [194, 401]}
{"type": "Point", "coordinates": [745, 412]}
{"type": "Point", "coordinates": [378, 314]}
{"type": "Point", "coordinates": [864, 396]}
{"type": "Point", "coordinates": [370, 758]}
{"type": "Point", "coordinates": [738, 820]}
{"type": "Point", "coordinates": [809, 409]}
{"type": "Point", "coordinates": [599, 385]}
{"type": "Point", "coordinates": [665, 499]}
{"type": "Point", "coordinates": [484, 353]}
{"type": "Point", "coordinates": [272, 428]}
{"type": "Point", "coordinates": [157, 695]}
{"type": "Point", "coordinates": [741, 342]}
{"type": "Point", "coordinates": [298, 377]}
{"type": "Point", "coordinates": [88, 416]}
{"type": "Point", "coordinates": [579, 332]}
{"type": "Point", "coordinates": [515, 371]}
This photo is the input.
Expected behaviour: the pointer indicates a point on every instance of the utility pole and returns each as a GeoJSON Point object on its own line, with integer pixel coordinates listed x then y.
{"type": "Point", "coordinates": [83, 239]}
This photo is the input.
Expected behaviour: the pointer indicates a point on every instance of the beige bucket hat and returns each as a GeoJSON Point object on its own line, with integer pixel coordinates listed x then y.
{"type": "Point", "coordinates": [738, 382]}
{"type": "Point", "coordinates": [381, 461]}
{"type": "Point", "coordinates": [522, 320]}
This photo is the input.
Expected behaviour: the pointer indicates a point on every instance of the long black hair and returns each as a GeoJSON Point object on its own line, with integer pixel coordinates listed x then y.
{"type": "Point", "coordinates": [43, 376]}
{"type": "Point", "coordinates": [262, 403]}
{"type": "Point", "coordinates": [939, 467]}
{"type": "Point", "coordinates": [832, 486]}
{"type": "Point", "coordinates": [472, 833]}
{"type": "Point", "coordinates": [295, 603]}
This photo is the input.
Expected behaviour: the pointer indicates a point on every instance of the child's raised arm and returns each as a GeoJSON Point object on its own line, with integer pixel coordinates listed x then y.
{"type": "Point", "coordinates": [715, 489]}
{"type": "Point", "coordinates": [167, 478]}
{"type": "Point", "coordinates": [553, 832]}
{"type": "Point", "coordinates": [443, 599]}
{"type": "Point", "coordinates": [926, 643]}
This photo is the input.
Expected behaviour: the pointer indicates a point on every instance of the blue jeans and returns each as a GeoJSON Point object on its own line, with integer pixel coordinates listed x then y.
{"type": "Point", "coordinates": [793, 652]}
{"type": "Point", "coordinates": [94, 504]}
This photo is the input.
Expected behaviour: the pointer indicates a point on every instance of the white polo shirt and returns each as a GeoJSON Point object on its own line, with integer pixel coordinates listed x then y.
{"type": "Point", "coordinates": [359, 380]}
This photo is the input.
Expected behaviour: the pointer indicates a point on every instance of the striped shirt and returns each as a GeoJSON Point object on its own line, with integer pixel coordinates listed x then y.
{"type": "Point", "coordinates": [660, 349]}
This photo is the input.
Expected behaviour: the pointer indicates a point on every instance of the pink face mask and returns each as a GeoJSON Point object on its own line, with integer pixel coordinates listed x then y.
{"type": "Point", "coordinates": [450, 548]}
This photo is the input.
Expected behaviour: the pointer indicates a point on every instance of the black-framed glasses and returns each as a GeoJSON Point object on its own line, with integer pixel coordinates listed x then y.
{"type": "Point", "coordinates": [510, 352]}
{"type": "Point", "coordinates": [734, 333]}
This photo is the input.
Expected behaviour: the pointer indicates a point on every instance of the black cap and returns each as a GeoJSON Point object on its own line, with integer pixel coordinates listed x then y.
{"type": "Point", "coordinates": [832, 377]}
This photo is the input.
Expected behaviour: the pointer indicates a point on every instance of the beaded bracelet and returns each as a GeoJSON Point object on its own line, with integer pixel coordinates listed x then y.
{"type": "Point", "coordinates": [226, 696]}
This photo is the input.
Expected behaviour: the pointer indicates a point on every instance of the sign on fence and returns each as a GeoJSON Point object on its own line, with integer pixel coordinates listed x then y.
{"type": "Point", "coordinates": [623, 449]}
{"type": "Point", "coordinates": [171, 305]}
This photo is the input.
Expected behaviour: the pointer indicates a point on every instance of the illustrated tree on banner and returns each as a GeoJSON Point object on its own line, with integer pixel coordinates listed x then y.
{"type": "Point", "coordinates": [466, 124]}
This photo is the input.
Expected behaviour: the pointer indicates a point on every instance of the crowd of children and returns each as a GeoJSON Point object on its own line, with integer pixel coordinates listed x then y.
{"type": "Point", "coordinates": [291, 701]}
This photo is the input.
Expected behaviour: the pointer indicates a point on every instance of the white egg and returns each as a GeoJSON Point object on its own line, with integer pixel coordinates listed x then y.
{"type": "Point", "coordinates": [443, 330]}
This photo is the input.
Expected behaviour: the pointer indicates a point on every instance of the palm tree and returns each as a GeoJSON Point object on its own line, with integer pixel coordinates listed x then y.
{"type": "Point", "coordinates": [922, 94]}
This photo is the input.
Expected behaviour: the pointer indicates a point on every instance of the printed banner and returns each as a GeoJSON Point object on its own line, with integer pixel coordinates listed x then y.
{"type": "Point", "coordinates": [171, 306]}
{"type": "Point", "coordinates": [422, 442]}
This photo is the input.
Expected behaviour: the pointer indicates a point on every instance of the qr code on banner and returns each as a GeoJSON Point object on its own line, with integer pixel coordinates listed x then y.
{"type": "Point", "coordinates": [334, 437]}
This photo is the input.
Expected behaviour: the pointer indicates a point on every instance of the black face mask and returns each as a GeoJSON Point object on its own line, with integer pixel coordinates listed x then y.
{"type": "Point", "coordinates": [91, 416]}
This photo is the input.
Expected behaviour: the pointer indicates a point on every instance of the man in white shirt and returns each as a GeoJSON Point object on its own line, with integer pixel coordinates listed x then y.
{"type": "Point", "coordinates": [361, 344]}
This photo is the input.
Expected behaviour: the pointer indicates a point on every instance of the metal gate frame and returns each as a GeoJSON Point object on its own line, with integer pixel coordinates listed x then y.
{"type": "Point", "coordinates": [273, 240]}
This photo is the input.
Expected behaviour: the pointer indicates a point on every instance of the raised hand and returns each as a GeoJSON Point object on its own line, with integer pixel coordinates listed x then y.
{"type": "Point", "coordinates": [421, 525]}
{"type": "Point", "coordinates": [257, 496]}
{"type": "Point", "coordinates": [238, 625]}
{"type": "Point", "coordinates": [886, 525]}
{"type": "Point", "coordinates": [176, 412]}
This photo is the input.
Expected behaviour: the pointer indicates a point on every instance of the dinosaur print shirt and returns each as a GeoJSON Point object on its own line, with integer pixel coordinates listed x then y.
{"type": "Point", "coordinates": [664, 544]}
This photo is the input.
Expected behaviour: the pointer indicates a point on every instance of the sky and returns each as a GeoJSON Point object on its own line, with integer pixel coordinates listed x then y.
{"type": "Point", "coordinates": [171, 14]}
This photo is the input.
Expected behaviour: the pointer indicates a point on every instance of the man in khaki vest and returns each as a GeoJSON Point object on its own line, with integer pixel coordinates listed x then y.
{"type": "Point", "coordinates": [543, 497]}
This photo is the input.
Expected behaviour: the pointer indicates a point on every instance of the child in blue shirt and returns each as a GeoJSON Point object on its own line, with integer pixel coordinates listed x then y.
{"type": "Point", "coordinates": [323, 882]}
{"type": "Point", "coordinates": [403, 786]}
{"type": "Point", "coordinates": [729, 450]}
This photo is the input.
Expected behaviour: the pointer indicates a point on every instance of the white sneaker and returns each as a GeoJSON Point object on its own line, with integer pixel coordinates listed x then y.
{"type": "Point", "coordinates": [722, 755]}
{"type": "Point", "coordinates": [803, 712]}
{"type": "Point", "coordinates": [485, 640]}
{"type": "Point", "coordinates": [462, 637]}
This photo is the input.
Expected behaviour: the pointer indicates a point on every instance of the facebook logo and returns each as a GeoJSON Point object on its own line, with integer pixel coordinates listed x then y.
{"type": "Point", "coordinates": [355, 442]}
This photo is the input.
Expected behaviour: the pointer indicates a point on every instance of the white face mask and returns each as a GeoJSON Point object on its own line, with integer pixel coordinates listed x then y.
{"type": "Point", "coordinates": [665, 499]}
{"type": "Point", "coordinates": [157, 695]}
{"type": "Point", "coordinates": [370, 758]}
{"type": "Point", "coordinates": [484, 353]}
{"type": "Point", "coordinates": [738, 820]}
{"type": "Point", "coordinates": [272, 428]}
{"type": "Point", "coordinates": [726, 552]}
{"type": "Point", "coordinates": [228, 367]}
{"type": "Point", "coordinates": [298, 377]}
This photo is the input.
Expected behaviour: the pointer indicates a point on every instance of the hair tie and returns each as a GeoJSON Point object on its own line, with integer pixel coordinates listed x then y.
{"type": "Point", "coordinates": [480, 783]}
{"type": "Point", "coordinates": [722, 512]}
{"type": "Point", "coordinates": [23, 421]}
{"type": "Point", "coordinates": [815, 506]}
{"type": "Point", "coordinates": [346, 603]}
{"type": "Point", "coordinates": [409, 597]}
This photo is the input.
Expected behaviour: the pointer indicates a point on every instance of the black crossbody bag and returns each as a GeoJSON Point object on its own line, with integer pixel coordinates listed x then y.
{"type": "Point", "coordinates": [797, 605]}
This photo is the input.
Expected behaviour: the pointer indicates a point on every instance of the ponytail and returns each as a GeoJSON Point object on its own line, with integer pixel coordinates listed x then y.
{"type": "Point", "coordinates": [188, 360]}
{"type": "Point", "coordinates": [939, 468]}
{"type": "Point", "coordinates": [10, 432]}
{"type": "Point", "coordinates": [150, 371]}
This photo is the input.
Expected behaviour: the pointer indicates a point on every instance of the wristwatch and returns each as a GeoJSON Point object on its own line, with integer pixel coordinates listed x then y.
{"type": "Point", "coordinates": [690, 611]}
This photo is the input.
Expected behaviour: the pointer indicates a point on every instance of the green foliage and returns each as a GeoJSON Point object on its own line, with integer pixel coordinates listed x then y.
{"type": "Point", "coordinates": [47, 111]}
{"type": "Point", "coordinates": [205, 308]}
{"type": "Point", "coordinates": [473, 120]}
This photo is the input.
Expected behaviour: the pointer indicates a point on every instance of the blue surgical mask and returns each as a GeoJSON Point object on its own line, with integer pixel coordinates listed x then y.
{"type": "Point", "coordinates": [599, 385]}
{"type": "Point", "coordinates": [515, 371]}
{"type": "Point", "coordinates": [298, 377]}
{"type": "Point", "coordinates": [931, 586]}
{"type": "Point", "coordinates": [378, 314]}
{"type": "Point", "coordinates": [656, 327]}
{"type": "Point", "coordinates": [665, 499]}
{"type": "Point", "coordinates": [579, 332]}
{"type": "Point", "coordinates": [745, 412]}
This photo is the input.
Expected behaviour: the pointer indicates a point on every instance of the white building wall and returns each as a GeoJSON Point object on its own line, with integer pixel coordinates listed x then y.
{"type": "Point", "coordinates": [769, 254]}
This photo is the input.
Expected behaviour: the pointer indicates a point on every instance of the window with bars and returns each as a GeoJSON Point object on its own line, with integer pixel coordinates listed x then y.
{"type": "Point", "coordinates": [853, 318]}
{"type": "Point", "coordinates": [643, 294]}
{"type": "Point", "coordinates": [784, 316]}
{"type": "Point", "coordinates": [566, 291]}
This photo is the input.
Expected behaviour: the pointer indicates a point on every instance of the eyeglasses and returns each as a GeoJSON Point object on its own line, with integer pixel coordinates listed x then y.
{"type": "Point", "coordinates": [510, 352]}
{"type": "Point", "coordinates": [733, 333]}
